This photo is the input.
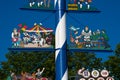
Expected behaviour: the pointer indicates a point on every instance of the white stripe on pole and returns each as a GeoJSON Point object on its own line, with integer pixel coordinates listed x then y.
{"type": "Point", "coordinates": [61, 32]}
{"type": "Point", "coordinates": [65, 77]}
{"type": "Point", "coordinates": [55, 1]}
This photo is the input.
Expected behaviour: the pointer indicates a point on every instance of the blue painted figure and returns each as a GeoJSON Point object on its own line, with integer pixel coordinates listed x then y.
{"type": "Point", "coordinates": [76, 35]}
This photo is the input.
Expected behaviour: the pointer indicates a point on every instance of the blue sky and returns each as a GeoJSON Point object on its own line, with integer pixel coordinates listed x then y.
{"type": "Point", "coordinates": [11, 16]}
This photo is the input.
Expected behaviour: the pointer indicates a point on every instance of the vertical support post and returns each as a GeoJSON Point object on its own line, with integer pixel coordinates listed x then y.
{"type": "Point", "coordinates": [60, 41]}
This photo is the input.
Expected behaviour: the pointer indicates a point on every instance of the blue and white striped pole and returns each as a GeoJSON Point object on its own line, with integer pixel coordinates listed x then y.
{"type": "Point", "coordinates": [60, 41]}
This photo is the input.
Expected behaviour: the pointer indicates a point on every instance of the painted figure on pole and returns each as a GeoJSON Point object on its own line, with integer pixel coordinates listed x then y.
{"type": "Point", "coordinates": [13, 76]}
{"type": "Point", "coordinates": [87, 2]}
{"type": "Point", "coordinates": [15, 38]}
{"type": "Point", "coordinates": [40, 4]}
{"type": "Point", "coordinates": [105, 39]}
{"type": "Point", "coordinates": [35, 37]}
{"type": "Point", "coordinates": [80, 2]}
{"type": "Point", "coordinates": [81, 5]}
{"type": "Point", "coordinates": [47, 3]}
{"type": "Point", "coordinates": [86, 33]}
{"type": "Point", "coordinates": [39, 73]}
{"type": "Point", "coordinates": [88, 39]}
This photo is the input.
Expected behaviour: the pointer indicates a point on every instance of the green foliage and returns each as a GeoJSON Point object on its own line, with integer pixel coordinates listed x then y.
{"type": "Point", "coordinates": [113, 64]}
{"type": "Point", "coordinates": [2, 75]}
{"type": "Point", "coordinates": [29, 62]}
{"type": "Point", "coordinates": [78, 60]}
{"type": "Point", "coordinates": [117, 51]}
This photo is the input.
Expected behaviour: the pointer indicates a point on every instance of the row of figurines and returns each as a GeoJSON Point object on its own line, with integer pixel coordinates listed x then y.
{"type": "Point", "coordinates": [27, 76]}
{"type": "Point", "coordinates": [89, 38]}
{"type": "Point", "coordinates": [86, 35]}
{"type": "Point", "coordinates": [36, 38]}
{"type": "Point", "coordinates": [46, 3]}
{"type": "Point", "coordinates": [81, 3]}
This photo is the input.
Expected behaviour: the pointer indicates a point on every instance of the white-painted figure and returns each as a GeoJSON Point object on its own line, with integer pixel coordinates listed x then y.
{"type": "Point", "coordinates": [39, 73]}
{"type": "Point", "coordinates": [41, 41]}
{"type": "Point", "coordinates": [81, 3]}
{"type": "Point", "coordinates": [26, 38]}
{"type": "Point", "coordinates": [88, 3]}
{"type": "Point", "coordinates": [87, 34]}
{"type": "Point", "coordinates": [47, 3]}
{"type": "Point", "coordinates": [33, 2]}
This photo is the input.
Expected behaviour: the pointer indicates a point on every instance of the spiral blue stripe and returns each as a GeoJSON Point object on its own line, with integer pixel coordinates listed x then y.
{"type": "Point", "coordinates": [61, 66]}
{"type": "Point", "coordinates": [61, 56]}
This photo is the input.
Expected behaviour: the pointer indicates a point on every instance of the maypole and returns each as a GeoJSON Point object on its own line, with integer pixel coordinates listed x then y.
{"type": "Point", "coordinates": [61, 66]}
{"type": "Point", "coordinates": [60, 41]}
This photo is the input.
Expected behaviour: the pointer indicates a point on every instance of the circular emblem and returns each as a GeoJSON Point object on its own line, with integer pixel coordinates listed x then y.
{"type": "Point", "coordinates": [86, 74]}
{"type": "Point", "coordinates": [95, 73]}
{"type": "Point", "coordinates": [100, 78]}
{"type": "Point", "coordinates": [91, 79]}
{"type": "Point", "coordinates": [82, 79]}
{"type": "Point", "coordinates": [110, 78]}
{"type": "Point", "coordinates": [104, 73]}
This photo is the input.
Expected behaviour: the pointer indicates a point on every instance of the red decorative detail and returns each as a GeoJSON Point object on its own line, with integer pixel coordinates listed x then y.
{"type": "Point", "coordinates": [44, 78]}
{"type": "Point", "coordinates": [20, 25]}
{"type": "Point", "coordinates": [25, 26]}
{"type": "Point", "coordinates": [14, 39]}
